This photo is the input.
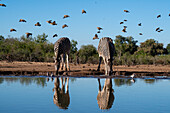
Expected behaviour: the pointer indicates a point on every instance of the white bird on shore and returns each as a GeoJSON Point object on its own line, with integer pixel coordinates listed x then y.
{"type": "Point", "coordinates": [48, 74]}
{"type": "Point", "coordinates": [133, 75]}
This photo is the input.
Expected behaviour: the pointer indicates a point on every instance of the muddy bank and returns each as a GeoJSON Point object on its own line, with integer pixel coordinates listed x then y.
{"type": "Point", "coordinates": [82, 70]}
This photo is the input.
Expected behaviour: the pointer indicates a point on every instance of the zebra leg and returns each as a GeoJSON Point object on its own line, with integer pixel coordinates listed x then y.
{"type": "Point", "coordinates": [68, 67]}
{"type": "Point", "coordinates": [111, 64]}
{"type": "Point", "coordinates": [105, 62]}
{"type": "Point", "coordinates": [100, 59]}
{"type": "Point", "coordinates": [57, 65]}
{"type": "Point", "coordinates": [67, 85]}
{"type": "Point", "coordinates": [62, 61]}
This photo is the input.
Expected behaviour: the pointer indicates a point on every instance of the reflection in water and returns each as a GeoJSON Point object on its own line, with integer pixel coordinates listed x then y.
{"type": "Point", "coordinates": [61, 96]}
{"type": "Point", "coordinates": [120, 82]}
{"type": "Point", "coordinates": [105, 97]}
{"type": "Point", "coordinates": [150, 81]}
{"type": "Point", "coordinates": [25, 80]}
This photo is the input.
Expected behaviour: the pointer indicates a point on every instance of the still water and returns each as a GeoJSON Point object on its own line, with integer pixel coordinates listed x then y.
{"type": "Point", "coordinates": [83, 95]}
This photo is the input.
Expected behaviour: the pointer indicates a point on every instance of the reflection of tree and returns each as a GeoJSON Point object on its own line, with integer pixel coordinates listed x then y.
{"type": "Point", "coordinates": [72, 79]}
{"type": "Point", "coordinates": [105, 97]}
{"type": "Point", "coordinates": [120, 82]}
{"type": "Point", "coordinates": [25, 80]}
{"type": "Point", "coordinates": [150, 81]}
{"type": "Point", "coordinates": [61, 97]}
{"type": "Point", "coordinates": [1, 80]}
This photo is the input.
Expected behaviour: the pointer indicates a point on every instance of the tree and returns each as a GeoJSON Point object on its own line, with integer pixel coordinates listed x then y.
{"type": "Point", "coordinates": [73, 50]}
{"type": "Point", "coordinates": [41, 38]}
{"type": "Point", "coordinates": [168, 48]}
{"type": "Point", "coordinates": [1, 38]}
{"type": "Point", "coordinates": [151, 47]}
{"type": "Point", "coordinates": [124, 45]}
{"type": "Point", "coordinates": [87, 52]}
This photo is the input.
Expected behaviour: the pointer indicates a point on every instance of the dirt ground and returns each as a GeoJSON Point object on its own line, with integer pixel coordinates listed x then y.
{"type": "Point", "coordinates": [41, 68]}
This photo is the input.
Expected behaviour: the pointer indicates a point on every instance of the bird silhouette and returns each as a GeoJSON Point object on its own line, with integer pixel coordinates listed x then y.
{"type": "Point", "coordinates": [55, 35]}
{"type": "Point", "coordinates": [83, 11]}
{"type": "Point", "coordinates": [140, 24]}
{"type": "Point", "coordinates": [126, 11]}
{"type": "Point", "coordinates": [49, 21]}
{"type": "Point", "coordinates": [158, 16]}
{"type": "Point", "coordinates": [140, 34]}
{"type": "Point", "coordinates": [125, 20]}
{"type": "Point", "coordinates": [37, 24]}
{"type": "Point", "coordinates": [157, 29]}
{"type": "Point", "coordinates": [66, 16]}
{"type": "Point", "coordinates": [99, 28]}
{"type": "Point", "coordinates": [169, 14]}
{"type": "Point", "coordinates": [124, 30]}
{"type": "Point", "coordinates": [11, 30]}
{"type": "Point", "coordinates": [121, 22]}
{"type": "Point", "coordinates": [95, 37]}
{"type": "Point", "coordinates": [28, 34]}
{"type": "Point", "coordinates": [22, 20]}
{"type": "Point", "coordinates": [98, 31]}
{"type": "Point", "coordinates": [3, 5]}
{"type": "Point", "coordinates": [53, 23]}
{"type": "Point", "coordinates": [160, 30]}
{"type": "Point", "coordinates": [65, 25]}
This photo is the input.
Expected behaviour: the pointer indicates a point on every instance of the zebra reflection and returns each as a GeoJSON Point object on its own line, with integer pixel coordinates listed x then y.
{"type": "Point", "coordinates": [105, 97]}
{"type": "Point", "coordinates": [61, 96]}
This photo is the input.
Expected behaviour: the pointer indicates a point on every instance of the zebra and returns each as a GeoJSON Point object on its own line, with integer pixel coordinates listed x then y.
{"type": "Point", "coordinates": [106, 50]}
{"type": "Point", "coordinates": [105, 97]}
{"type": "Point", "coordinates": [61, 50]}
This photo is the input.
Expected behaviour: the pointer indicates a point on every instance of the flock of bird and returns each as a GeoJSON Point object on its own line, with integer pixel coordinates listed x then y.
{"type": "Point", "coordinates": [158, 29]}
{"type": "Point", "coordinates": [38, 23]}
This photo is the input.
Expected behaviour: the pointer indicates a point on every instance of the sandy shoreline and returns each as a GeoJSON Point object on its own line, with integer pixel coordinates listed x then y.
{"type": "Point", "coordinates": [41, 68]}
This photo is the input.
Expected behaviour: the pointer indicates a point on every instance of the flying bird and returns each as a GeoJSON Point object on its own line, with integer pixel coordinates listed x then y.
{"type": "Point", "coordinates": [13, 30]}
{"type": "Point", "coordinates": [95, 37]}
{"type": "Point", "coordinates": [124, 30]}
{"type": "Point", "coordinates": [83, 11]}
{"type": "Point", "coordinates": [99, 28]}
{"type": "Point", "coordinates": [66, 16]}
{"type": "Point", "coordinates": [49, 21]}
{"type": "Point", "coordinates": [160, 30]}
{"type": "Point", "coordinates": [37, 24]}
{"type": "Point", "coordinates": [169, 14]}
{"type": "Point", "coordinates": [125, 20]}
{"type": "Point", "coordinates": [53, 23]}
{"type": "Point", "coordinates": [55, 35]}
{"type": "Point", "coordinates": [65, 25]}
{"type": "Point", "coordinates": [28, 34]}
{"type": "Point", "coordinates": [157, 28]}
{"type": "Point", "coordinates": [98, 31]}
{"type": "Point", "coordinates": [158, 16]}
{"type": "Point", "coordinates": [121, 22]}
{"type": "Point", "coordinates": [22, 20]}
{"type": "Point", "coordinates": [3, 5]}
{"type": "Point", "coordinates": [140, 24]}
{"type": "Point", "coordinates": [140, 34]}
{"type": "Point", "coordinates": [126, 11]}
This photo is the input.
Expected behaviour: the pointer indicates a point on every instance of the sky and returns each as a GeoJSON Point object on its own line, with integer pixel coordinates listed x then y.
{"type": "Point", "coordinates": [82, 27]}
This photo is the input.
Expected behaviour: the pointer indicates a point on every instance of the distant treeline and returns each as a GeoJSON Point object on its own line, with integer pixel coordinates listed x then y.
{"type": "Point", "coordinates": [39, 49]}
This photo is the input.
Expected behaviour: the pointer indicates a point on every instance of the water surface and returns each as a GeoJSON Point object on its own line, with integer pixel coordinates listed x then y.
{"type": "Point", "coordinates": [82, 95]}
